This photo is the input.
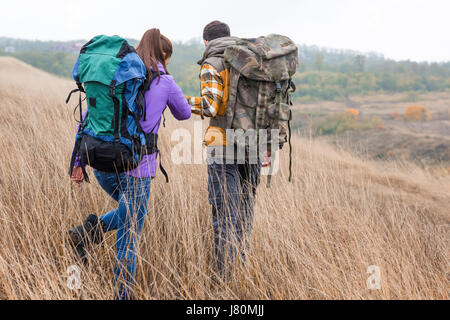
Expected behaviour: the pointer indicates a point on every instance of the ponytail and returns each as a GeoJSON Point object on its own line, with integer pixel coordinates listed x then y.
{"type": "Point", "coordinates": [154, 48]}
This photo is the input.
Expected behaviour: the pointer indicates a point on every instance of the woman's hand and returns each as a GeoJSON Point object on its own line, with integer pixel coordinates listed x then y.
{"type": "Point", "coordinates": [77, 176]}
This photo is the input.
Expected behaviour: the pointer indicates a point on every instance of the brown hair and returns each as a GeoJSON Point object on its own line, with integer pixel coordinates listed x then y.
{"type": "Point", "coordinates": [154, 48]}
{"type": "Point", "coordinates": [215, 30]}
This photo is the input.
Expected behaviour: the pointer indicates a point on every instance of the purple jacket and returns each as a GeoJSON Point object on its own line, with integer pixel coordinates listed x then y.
{"type": "Point", "coordinates": [162, 93]}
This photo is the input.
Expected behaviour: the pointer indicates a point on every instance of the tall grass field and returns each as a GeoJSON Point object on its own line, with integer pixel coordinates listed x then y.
{"type": "Point", "coordinates": [314, 238]}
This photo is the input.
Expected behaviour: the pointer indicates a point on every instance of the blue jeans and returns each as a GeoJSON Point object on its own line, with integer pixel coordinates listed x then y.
{"type": "Point", "coordinates": [132, 195]}
{"type": "Point", "coordinates": [232, 191]}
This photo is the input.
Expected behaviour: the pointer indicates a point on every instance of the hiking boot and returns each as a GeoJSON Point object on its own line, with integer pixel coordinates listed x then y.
{"type": "Point", "coordinates": [91, 231]}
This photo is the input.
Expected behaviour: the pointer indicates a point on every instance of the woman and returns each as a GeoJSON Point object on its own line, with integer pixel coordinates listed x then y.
{"type": "Point", "coordinates": [132, 189]}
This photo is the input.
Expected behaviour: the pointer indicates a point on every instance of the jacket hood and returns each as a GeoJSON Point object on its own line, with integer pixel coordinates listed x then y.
{"type": "Point", "coordinates": [216, 47]}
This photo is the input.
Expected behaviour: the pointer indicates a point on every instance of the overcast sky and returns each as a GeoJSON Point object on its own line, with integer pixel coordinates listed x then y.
{"type": "Point", "coordinates": [399, 29]}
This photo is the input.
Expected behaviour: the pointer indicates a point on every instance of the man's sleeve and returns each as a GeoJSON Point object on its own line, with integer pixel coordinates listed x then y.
{"type": "Point", "coordinates": [212, 93]}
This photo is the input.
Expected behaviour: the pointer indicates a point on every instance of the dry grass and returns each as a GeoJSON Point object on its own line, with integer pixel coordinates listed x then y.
{"type": "Point", "coordinates": [313, 239]}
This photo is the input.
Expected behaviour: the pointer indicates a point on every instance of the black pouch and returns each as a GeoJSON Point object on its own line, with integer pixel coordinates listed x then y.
{"type": "Point", "coordinates": [152, 143]}
{"type": "Point", "coordinates": [106, 156]}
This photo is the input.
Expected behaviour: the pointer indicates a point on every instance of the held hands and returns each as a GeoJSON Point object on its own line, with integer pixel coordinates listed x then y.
{"type": "Point", "coordinates": [267, 160]}
{"type": "Point", "coordinates": [77, 176]}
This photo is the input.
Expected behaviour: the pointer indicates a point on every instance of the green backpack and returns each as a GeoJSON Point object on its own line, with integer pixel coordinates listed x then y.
{"type": "Point", "coordinates": [114, 79]}
{"type": "Point", "coordinates": [261, 72]}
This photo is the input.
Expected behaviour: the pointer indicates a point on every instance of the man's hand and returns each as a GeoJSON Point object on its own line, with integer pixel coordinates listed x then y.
{"type": "Point", "coordinates": [77, 176]}
{"type": "Point", "coordinates": [267, 160]}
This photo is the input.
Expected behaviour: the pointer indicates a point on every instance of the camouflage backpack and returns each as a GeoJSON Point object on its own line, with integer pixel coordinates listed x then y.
{"type": "Point", "coordinates": [261, 72]}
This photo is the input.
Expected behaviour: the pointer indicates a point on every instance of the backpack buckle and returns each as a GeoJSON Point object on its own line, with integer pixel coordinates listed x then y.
{"type": "Point", "coordinates": [80, 87]}
{"type": "Point", "coordinates": [278, 87]}
{"type": "Point", "coordinates": [112, 89]}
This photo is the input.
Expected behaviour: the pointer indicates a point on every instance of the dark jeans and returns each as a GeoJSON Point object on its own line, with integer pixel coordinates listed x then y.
{"type": "Point", "coordinates": [232, 190]}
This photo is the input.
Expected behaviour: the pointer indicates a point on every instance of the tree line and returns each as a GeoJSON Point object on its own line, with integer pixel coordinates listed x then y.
{"type": "Point", "coordinates": [323, 74]}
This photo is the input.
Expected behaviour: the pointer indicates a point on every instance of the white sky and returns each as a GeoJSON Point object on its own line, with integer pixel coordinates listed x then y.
{"type": "Point", "coordinates": [399, 29]}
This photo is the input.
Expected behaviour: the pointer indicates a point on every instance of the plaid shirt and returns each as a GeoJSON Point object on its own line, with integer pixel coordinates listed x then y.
{"type": "Point", "coordinates": [212, 91]}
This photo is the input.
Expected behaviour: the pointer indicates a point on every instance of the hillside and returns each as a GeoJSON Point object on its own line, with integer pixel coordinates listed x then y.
{"type": "Point", "coordinates": [380, 129]}
{"type": "Point", "coordinates": [323, 73]}
{"type": "Point", "coordinates": [313, 239]}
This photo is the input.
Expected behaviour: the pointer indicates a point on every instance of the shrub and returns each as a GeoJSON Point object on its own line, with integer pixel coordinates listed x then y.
{"type": "Point", "coordinates": [417, 113]}
{"type": "Point", "coordinates": [341, 122]}
{"type": "Point", "coordinates": [378, 123]}
{"type": "Point", "coordinates": [353, 113]}
{"type": "Point", "coordinates": [396, 115]}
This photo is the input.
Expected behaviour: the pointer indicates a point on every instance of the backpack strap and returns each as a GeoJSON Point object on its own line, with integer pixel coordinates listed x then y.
{"type": "Point", "coordinates": [146, 87]}
{"type": "Point", "coordinates": [290, 145]}
{"type": "Point", "coordinates": [164, 172]}
{"type": "Point", "coordinates": [116, 118]}
{"type": "Point", "coordinates": [291, 89]}
{"type": "Point", "coordinates": [278, 97]}
{"type": "Point", "coordinates": [80, 89]}
{"type": "Point", "coordinates": [164, 117]}
{"type": "Point", "coordinates": [115, 123]}
{"type": "Point", "coordinates": [75, 154]}
{"type": "Point", "coordinates": [76, 149]}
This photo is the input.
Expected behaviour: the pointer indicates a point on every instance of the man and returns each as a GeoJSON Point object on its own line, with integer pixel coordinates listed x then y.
{"type": "Point", "coordinates": [231, 183]}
